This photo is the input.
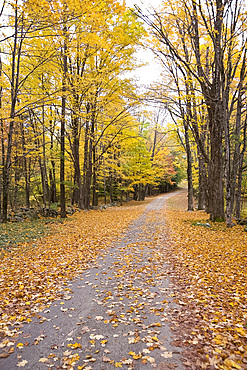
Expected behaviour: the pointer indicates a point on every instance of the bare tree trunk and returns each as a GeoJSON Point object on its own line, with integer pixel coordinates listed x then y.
{"type": "Point", "coordinates": [237, 162]}
{"type": "Point", "coordinates": [215, 166]}
{"type": "Point", "coordinates": [87, 176]}
{"type": "Point", "coordinates": [85, 163]}
{"type": "Point", "coordinates": [63, 112]}
{"type": "Point", "coordinates": [104, 180]}
{"type": "Point", "coordinates": [1, 127]}
{"type": "Point", "coordinates": [240, 173]}
{"type": "Point", "coordinates": [26, 176]}
{"type": "Point", "coordinates": [42, 172]}
{"type": "Point", "coordinates": [88, 156]}
{"type": "Point", "coordinates": [186, 146]}
{"type": "Point", "coordinates": [46, 184]}
{"type": "Point", "coordinates": [87, 195]}
{"type": "Point", "coordinates": [95, 185]}
{"type": "Point", "coordinates": [52, 170]}
{"type": "Point", "coordinates": [189, 168]}
{"type": "Point", "coordinates": [76, 158]}
{"type": "Point", "coordinates": [16, 52]}
{"type": "Point", "coordinates": [202, 183]}
{"type": "Point", "coordinates": [17, 179]}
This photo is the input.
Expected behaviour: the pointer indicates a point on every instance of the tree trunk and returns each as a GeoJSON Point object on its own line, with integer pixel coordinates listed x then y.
{"type": "Point", "coordinates": [237, 162]}
{"type": "Point", "coordinates": [189, 168]}
{"type": "Point", "coordinates": [104, 180]}
{"type": "Point", "coordinates": [215, 168]}
{"type": "Point", "coordinates": [17, 178]}
{"type": "Point", "coordinates": [26, 175]}
{"type": "Point", "coordinates": [63, 112]}
{"type": "Point", "coordinates": [95, 185]}
{"type": "Point", "coordinates": [202, 183]}
{"type": "Point", "coordinates": [43, 182]}
{"type": "Point", "coordinates": [52, 170]}
{"type": "Point", "coordinates": [14, 91]}
{"type": "Point", "coordinates": [135, 196]}
{"type": "Point", "coordinates": [2, 135]}
{"type": "Point", "coordinates": [240, 173]}
{"type": "Point", "coordinates": [46, 184]}
{"type": "Point", "coordinates": [76, 158]}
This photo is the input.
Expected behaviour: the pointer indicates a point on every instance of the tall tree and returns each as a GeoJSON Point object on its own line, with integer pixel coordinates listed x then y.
{"type": "Point", "coordinates": [217, 24]}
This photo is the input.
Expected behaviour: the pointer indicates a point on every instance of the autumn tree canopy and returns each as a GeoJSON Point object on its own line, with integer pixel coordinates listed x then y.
{"type": "Point", "coordinates": [69, 129]}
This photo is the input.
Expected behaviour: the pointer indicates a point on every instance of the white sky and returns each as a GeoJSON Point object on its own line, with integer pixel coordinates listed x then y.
{"type": "Point", "coordinates": [151, 72]}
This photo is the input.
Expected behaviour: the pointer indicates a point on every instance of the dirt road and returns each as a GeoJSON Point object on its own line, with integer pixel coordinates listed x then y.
{"type": "Point", "coordinates": [115, 315]}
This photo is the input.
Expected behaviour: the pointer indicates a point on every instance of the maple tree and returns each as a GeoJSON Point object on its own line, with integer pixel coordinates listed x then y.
{"type": "Point", "coordinates": [69, 93]}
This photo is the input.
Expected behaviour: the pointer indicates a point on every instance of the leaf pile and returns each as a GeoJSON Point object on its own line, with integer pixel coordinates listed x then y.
{"type": "Point", "coordinates": [31, 274]}
{"type": "Point", "coordinates": [208, 267]}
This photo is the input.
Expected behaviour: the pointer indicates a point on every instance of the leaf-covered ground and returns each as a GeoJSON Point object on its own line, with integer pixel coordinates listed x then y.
{"type": "Point", "coordinates": [115, 314]}
{"type": "Point", "coordinates": [206, 305]}
{"type": "Point", "coordinates": [14, 233]}
{"type": "Point", "coordinates": [31, 273]}
{"type": "Point", "coordinates": [208, 266]}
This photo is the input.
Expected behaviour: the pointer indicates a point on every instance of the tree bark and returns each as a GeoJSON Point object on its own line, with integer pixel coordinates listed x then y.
{"type": "Point", "coordinates": [63, 119]}
{"type": "Point", "coordinates": [76, 159]}
{"type": "Point", "coordinates": [52, 170]}
{"type": "Point", "coordinates": [15, 71]}
{"type": "Point", "coordinates": [240, 173]}
{"type": "Point", "coordinates": [26, 175]}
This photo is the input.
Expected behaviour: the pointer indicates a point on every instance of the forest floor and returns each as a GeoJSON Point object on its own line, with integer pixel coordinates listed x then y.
{"type": "Point", "coordinates": [138, 287]}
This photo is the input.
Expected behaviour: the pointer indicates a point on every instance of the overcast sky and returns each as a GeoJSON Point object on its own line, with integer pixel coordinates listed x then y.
{"type": "Point", "coordinates": [151, 72]}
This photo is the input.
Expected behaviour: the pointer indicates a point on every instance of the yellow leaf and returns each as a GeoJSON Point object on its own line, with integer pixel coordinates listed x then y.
{"type": "Point", "coordinates": [76, 345]}
{"type": "Point", "coordinates": [134, 355]}
{"type": "Point", "coordinates": [232, 364]}
{"type": "Point", "coordinates": [137, 357]}
{"type": "Point", "coordinates": [241, 331]}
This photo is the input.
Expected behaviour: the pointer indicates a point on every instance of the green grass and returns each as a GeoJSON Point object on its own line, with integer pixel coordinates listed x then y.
{"type": "Point", "coordinates": [14, 233]}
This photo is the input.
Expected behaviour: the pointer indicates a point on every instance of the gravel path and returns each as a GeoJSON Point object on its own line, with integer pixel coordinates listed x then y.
{"type": "Point", "coordinates": [114, 315]}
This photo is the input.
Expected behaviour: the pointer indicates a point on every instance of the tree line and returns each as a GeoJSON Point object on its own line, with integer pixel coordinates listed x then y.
{"type": "Point", "coordinates": [70, 122]}
{"type": "Point", "coordinates": [202, 47]}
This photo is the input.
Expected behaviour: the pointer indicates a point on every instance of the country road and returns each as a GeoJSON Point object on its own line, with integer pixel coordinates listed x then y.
{"type": "Point", "coordinates": [114, 315]}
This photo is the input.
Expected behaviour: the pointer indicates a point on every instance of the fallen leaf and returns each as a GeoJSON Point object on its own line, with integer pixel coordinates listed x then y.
{"type": "Point", "coordinates": [106, 359]}
{"type": "Point", "coordinates": [43, 359]}
{"type": "Point", "coordinates": [22, 363]}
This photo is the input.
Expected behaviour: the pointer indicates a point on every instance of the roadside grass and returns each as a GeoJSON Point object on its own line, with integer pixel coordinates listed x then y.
{"type": "Point", "coordinates": [210, 273]}
{"type": "Point", "coordinates": [15, 233]}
